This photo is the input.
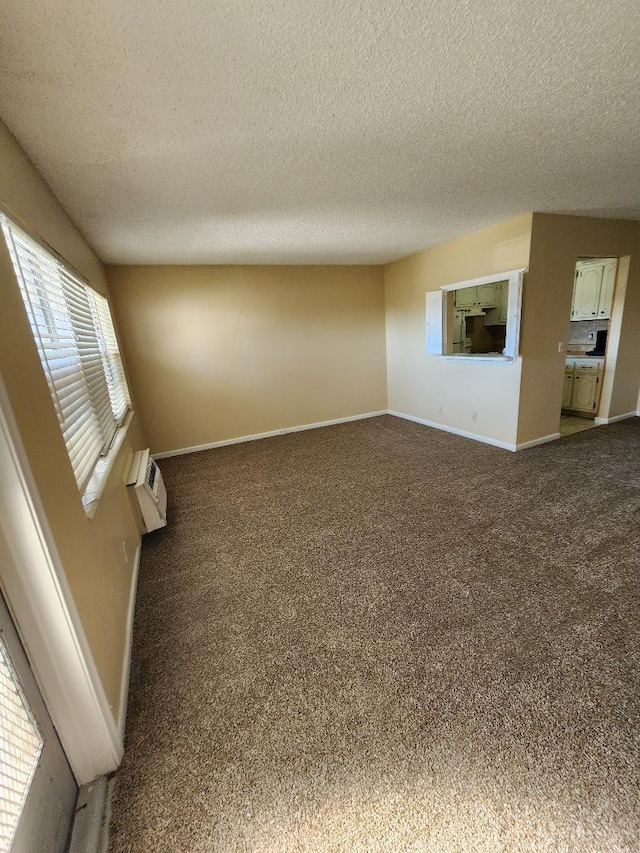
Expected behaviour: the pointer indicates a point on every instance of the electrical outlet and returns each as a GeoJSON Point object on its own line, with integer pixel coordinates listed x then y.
{"type": "Point", "coordinates": [560, 346]}
{"type": "Point", "coordinates": [591, 336]}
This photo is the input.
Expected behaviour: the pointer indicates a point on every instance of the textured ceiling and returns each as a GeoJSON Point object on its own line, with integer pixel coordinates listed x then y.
{"type": "Point", "coordinates": [327, 131]}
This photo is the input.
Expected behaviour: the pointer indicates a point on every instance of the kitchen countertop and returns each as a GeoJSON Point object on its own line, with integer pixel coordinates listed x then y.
{"type": "Point", "coordinates": [571, 356]}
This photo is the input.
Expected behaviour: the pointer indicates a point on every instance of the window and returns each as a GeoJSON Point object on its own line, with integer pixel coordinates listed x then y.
{"type": "Point", "coordinates": [76, 341]}
{"type": "Point", "coordinates": [478, 319]}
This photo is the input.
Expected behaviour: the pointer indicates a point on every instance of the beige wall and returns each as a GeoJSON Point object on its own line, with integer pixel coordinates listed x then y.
{"type": "Point", "coordinates": [557, 242]}
{"type": "Point", "coordinates": [90, 549]}
{"type": "Point", "coordinates": [474, 397]}
{"type": "Point", "coordinates": [218, 352]}
{"type": "Point", "coordinates": [215, 353]}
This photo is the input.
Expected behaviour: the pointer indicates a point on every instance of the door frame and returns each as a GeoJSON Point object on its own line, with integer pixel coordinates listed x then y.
{"type": "Point", "coordinates": [614, 339]}
{"type": "Point", "coordinates": [50, 794]}
{"type": "Point", "coordinates": [613, 345]}
{"type": "Point", "coordinates": [42, 606]}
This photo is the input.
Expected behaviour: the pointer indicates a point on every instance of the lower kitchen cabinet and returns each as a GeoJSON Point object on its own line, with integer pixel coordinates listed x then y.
{"type": "Point", "coordinates": [568, 387]}
{"type": "Point", "coordinates": [582, 386]}
{"type": "Point", "coordinates": [584, 397]}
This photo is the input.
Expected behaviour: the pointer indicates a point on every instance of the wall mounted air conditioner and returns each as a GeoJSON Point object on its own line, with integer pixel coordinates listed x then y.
{"type": "Point", "coordinates": [146, 481]}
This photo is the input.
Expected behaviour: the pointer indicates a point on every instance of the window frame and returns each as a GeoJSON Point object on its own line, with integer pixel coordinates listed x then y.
{"type": "Point", "coordinates": [73, 331]}
{"type": "Point", "coordinates": [436, 328]}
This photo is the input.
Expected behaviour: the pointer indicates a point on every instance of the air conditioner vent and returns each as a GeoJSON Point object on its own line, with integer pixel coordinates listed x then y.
{"type": "Point", "coordinates": [146, 481]}
{"type": "Point", "coordinates": [153, 470]}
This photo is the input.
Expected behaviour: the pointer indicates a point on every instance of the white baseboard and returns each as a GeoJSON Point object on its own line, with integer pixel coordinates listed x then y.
{"type": "Point", "coordinates": [166, 453]}
{"type": "Point", "coordinates": [128, 644]}
{"type": "Point", "coordinates": [475, 436]}
{"type": "Point", "coordinates": [494, 442]}
{"type": "Point", "coordinates": [535, 441]}
{"type": "Point", "coordinates": [616, 418]}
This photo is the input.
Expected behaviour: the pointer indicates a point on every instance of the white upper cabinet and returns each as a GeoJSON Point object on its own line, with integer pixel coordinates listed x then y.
{"type": "Point", "coordinates": [503, 307]}
{"type": "Point", "coordinates": [593, 290]}
{"type": "Point", "coordinates": [466, 297]}
{"type": "Point", "coordinates": [586, 292]}
{"type": "Point", "coordinates": [606, 291]}
{"type": "Point", "coordinates": [482, 296]}
{"type": "Point", "coordinates": [498, 315]}
{"type": "Point", "coordinates": [487, 296]}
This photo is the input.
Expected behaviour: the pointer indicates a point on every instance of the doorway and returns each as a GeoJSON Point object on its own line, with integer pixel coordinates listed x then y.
{"type": "Point", "coordinates": [37, 788]}
{"type": "Point", "coordinates": [587, 338]}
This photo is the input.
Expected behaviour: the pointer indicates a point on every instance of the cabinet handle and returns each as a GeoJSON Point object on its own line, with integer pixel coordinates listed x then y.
{"type": "Point", "coordinates": [593, 312]}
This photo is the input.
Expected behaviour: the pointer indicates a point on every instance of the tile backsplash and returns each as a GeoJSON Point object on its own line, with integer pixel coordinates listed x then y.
{"type": "Point", "coordinates": [579, 332]}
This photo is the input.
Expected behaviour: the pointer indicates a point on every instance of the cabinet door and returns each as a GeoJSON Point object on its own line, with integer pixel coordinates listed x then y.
{"type": "Point", "coordinates": [466, 298]}
{"type": "Point", "coordinates": [606, 290]}
{"type": "Point", "coordinates": [568, 388]}
{"type": "Point", "coordinates": [586, 292]}
{"type": "Point", "coordinates": [585, 392]}
{"type": "Point", "coordinates": [487, 295]}
{"type": "Point", "coordinates": [503, 305]}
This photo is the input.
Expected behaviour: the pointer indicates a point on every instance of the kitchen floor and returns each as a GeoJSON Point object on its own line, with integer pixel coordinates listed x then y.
{"type": "Point", "coordinates": [570, 424]}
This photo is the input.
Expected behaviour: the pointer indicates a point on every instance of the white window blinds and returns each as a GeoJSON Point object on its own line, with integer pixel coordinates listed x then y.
{"type": "Point", "coordinates": [111, 361]}
{"type": "Point", "coordinates": [77, 345]}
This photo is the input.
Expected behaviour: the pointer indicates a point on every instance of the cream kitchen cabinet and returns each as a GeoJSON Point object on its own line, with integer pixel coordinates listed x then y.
{"type": "Point", "coordinates": [593, 290]}
{"type": "Point", "coordinates": [466, 297]}
{"type": "Point", "coordinates": [483, 296]}
{"type": "Point", "coordinates": [498, 316]}
{"type": "Point", "coordinates": [487, 296]}
{"type": "Point", "coordinates": [606, 291]}
{"type": "Point", "coordinates": [584, 396]}
{"type": "Point", "coordinates": [568, 386]}
{"type": "Point", "coordinates": [582, 385]}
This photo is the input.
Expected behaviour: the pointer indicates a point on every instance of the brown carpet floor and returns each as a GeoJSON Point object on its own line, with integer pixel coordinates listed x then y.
{"type": "Point", "coordinates": [381, 637]}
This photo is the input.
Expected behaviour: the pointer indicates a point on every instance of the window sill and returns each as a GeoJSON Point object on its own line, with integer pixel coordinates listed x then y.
{"type": "Point", "coordinates": [98, 481]}
{"type": "Point", "coordinates": [470, 356]}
